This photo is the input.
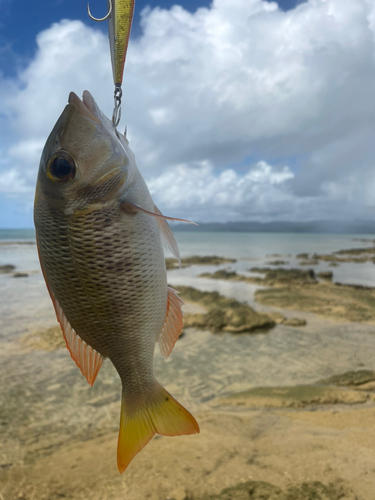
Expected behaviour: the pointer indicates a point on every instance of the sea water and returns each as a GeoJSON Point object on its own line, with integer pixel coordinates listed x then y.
{"type": "Point", "coordinates": [203, 365]}
{"type": "Point", "coordinates": [18, 247]}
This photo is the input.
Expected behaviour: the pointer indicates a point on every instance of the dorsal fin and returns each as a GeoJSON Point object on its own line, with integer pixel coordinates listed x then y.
{"type": "Point", "coordinates": [167, 237]}
{"type": "Point", "coordinates": [172, 325]}
{"type": "Point", "coordinates": [86, 358]}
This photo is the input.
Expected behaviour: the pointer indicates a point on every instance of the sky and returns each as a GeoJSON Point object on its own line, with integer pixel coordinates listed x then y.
{"type": "Point", "coordinates": [235, 109]}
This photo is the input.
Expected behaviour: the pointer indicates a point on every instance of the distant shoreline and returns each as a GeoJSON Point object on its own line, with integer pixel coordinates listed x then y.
{"type": "Point", "coordinates": [309, 227]}
{"type": "Point", "coordinates": [317, 227]}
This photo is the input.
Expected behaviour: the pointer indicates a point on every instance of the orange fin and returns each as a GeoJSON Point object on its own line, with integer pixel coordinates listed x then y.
{"type": "Point", "coordinates": [167, 236]}
{"type": "Point", "coordinates": [173, 323]}
{"type": "Point", "coordinates": [86, 358]}
{"type": "Point", "coordinates": [156, 413]}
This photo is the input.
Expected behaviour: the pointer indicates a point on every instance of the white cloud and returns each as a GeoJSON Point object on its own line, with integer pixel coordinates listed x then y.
{"type": "Point", "coordinates": [207, 92]}
{"type": "Point", "coordinates": [196, 190]}
{"type": "Point", "coordinates": [13, 184]}
{"type": "Point", "coordinates": [28, 151]}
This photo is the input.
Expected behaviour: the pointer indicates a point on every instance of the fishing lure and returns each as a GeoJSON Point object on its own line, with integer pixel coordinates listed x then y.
{"type": "Point", "coordinates": [120, 17]}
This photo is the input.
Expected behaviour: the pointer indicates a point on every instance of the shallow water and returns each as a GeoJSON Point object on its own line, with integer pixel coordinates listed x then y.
{"type": "Point", "coordinates": [204, 365]}
{"type": "Point", "coordinates": [252, 249]}
{"type": "Point", "coordinates": [47, 410]}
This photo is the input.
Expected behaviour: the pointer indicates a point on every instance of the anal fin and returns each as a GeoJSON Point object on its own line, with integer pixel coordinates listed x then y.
{"type": "Point", "coordinates": [86, 358]}
{"type": "Point", "coordinates": [173, 323]}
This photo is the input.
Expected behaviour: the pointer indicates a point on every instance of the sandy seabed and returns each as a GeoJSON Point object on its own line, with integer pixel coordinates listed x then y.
{"type": "Point", "coordinates": [271, 427]}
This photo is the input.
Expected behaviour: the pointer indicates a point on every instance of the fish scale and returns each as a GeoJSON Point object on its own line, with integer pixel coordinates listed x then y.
{"type": "Point", "coordinates": [91, 274]}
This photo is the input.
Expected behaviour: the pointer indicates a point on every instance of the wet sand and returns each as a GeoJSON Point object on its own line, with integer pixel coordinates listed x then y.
{"type": "Point", "coordinates": [270, 428]}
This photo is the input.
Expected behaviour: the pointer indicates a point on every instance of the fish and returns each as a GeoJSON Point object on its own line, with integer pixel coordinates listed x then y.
{"type": "Point", "coordinates": [100, 241]}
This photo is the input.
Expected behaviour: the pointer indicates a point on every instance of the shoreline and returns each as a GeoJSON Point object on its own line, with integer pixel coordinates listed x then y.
{"type": "Point", "coordinates": [284, 434]}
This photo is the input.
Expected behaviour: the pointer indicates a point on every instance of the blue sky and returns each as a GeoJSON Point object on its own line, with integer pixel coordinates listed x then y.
{"type": "Point", "coordinates": [22, 20]}
{"type": "Point", "coordinates": [240, 110]}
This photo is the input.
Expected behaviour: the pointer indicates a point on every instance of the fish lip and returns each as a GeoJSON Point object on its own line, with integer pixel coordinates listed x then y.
{"type": "Point", "coordinates": [82, 106]}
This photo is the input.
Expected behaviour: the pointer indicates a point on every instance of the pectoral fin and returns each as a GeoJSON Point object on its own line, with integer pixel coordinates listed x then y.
{"type": "Point", "coordinates": [173, 323]}
{"type": "Point", "coordinates": [167, 237]}
{"type": "Point", "coordinates": [131, 208]}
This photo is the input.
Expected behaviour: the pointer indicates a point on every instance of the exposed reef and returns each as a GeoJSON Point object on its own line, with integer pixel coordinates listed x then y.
{"type": "Point", "coordinates": [352, 378]}
{"type": "Point", "coordinates": [342, 302]}
{"type": "Point", "coordinates": [298, 396]}
{"type": "Point", "coordinates": [278, 263]}
{"type": "Point", "coordinates": [7, 268]}
{"type": "Point", "coordinates": [262, 490]}
{"type": "Point", "coordinates": [356, 255]}
{"type": "Point", "coordinates": [46, 340]}
{"type": "Point", "coordinates": [300, 290]}
{"type": "Point", "coordinates": [271, 276]}
{"type": "Point", "coordinates": [353, 387]}
{"type": "Point", "coordinates": [326, 275]}
{"type": "Point", "coordinates": [206, 260]}
{"type": "Point", "coordinates": [223, 314]}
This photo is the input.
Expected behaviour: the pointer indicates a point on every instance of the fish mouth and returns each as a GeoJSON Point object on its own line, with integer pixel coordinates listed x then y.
{"type": "Point", "coordinates": [87, 106]}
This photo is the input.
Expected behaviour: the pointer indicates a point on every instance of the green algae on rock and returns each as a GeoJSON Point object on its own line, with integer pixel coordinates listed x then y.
{"type": "Point", "coordinates": [223, 314]}
{"type": "Point", "coordinates": [299, 290]}
{"type": "Point", "coordinates": [359, 259]}
{"type": "Point", "coordinates": [45, 340]}
{"type": "Point", "coordinates": [309, 262]}
{"type": "Point", "coordinates": [325, 275]}
{"type": "Point", "coordinates": [281, 275]}
{"type": "Point", "coordinates": [356, 255]}
{"type": "Point", "coordinates": [271, 276]}
{"type": "Point", "coordinates": [207, 260]}
{"type": "Point", "coordinates": [223, 274]}
{"type": "Point", "coordinates": [279, 319]}
{"type": "Point", "coordinates": [278, 263]}
{"type": "Point", "coordinates": [343, 302]}
{"type": "Point", "coordinates": [294, 322]}
{"type": "Point", "coordinates": [303, 255]}
{"type": "Point", "coordinates": [261, 490]}
{"type": "Point", "coordinates": [351, 378]}
{"type": "Point", "coordinates": [7, 268]}
{"type": "Point", "coordinates": [293, 397]}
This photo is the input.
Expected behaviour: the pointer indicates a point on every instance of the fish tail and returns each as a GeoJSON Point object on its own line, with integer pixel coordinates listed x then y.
{"type": "Point", "coordinates": [157, 412]}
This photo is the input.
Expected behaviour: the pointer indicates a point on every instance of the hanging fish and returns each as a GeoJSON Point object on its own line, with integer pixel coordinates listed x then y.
{"type": "Point", "coordinates": [99, 237]}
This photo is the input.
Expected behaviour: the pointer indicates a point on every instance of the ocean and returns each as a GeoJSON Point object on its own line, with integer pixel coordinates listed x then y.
{"type": "Point", "coordinates": [252, 249]}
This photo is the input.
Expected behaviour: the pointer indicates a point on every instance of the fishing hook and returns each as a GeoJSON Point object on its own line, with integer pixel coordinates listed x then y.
{"type": "Point", "coordinates": [98, 20]}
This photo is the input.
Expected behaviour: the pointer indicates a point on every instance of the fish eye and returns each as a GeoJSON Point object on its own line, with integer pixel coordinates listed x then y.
{"type": "Point", "coordinates": [61, 167]}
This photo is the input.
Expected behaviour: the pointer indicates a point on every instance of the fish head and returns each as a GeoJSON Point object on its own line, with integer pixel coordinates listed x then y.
{"type": "Point", "coordinates": [85, 160]}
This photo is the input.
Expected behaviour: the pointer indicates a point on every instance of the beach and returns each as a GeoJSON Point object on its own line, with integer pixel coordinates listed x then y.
{"type": "Point", "coordinates": [277, 423]}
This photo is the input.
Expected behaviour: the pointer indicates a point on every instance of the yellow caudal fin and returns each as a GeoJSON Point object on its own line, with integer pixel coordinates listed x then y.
{"type": "Point", "coordinates": [155, 413]}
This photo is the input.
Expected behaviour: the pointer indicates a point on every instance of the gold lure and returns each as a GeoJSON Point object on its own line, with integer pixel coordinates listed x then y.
{"type": "Point", "coordinates": [120, 17]}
